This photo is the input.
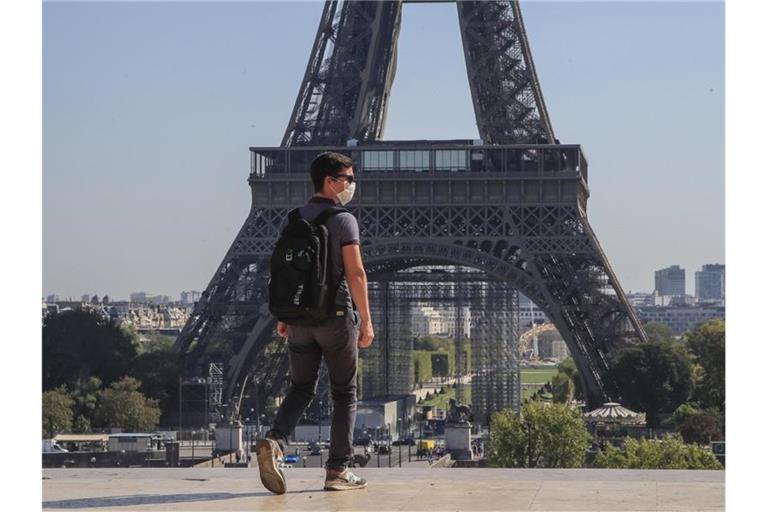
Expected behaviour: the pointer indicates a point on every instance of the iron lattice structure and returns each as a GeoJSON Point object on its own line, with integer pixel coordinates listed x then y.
{"type": "Point", "coordinates": [512, 206]}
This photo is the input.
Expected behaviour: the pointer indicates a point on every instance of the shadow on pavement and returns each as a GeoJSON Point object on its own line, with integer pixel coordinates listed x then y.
{"type": "Point", "coordinates": [150, 499]}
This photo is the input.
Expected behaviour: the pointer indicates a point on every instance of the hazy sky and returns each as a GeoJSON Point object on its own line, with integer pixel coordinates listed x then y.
{"type": "Point", "coordinates": [149, 109]}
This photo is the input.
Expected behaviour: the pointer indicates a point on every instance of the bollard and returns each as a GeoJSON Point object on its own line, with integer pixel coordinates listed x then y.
{"type": "Point", "coordinates": [172, 453]}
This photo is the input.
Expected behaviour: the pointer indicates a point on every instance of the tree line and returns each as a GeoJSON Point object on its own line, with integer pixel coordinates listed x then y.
{"type": "Point", "coordinates": [98, 374]}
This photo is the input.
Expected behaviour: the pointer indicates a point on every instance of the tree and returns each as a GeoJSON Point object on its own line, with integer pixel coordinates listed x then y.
{"type": "Point", "coordinates": [697, 425]}
{"type": "Point", "coordinates": [653, 377]}
{"type": "Point", "coordinates": [706, 342]}
{"type": "Point", "coordinates": [80, 344]}
{"type": "Point", "coordinates": [658, 332]}
{"type": "Point", "coordinates": [562, 388]}
{"type": "Point", "coordinates": [159, 373]}
{"type": "Point", "coordinates": [57, 411]}
{"type": "Point", "coordinates": [85, 396]}
{"type": "Point", "coordinates": [568, 367]}
{"type": "Point", "coordinates": [552, 436]}
{"type": "Point", "coordinates": [440, 364]}
{"type": "Point", "coordinates": [123, 405]}
{"type": "Point", "coordinates": [668, 453]}
{"type": "Point", "coordinates": [151, 341]}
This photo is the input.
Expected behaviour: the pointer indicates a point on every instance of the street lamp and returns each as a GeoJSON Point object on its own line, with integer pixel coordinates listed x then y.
{"type": "Point", "coordinates": [319, 417]}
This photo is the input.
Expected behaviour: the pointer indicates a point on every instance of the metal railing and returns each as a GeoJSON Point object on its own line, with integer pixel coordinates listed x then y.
{"type": "Point", "coordinates": [382, 160]}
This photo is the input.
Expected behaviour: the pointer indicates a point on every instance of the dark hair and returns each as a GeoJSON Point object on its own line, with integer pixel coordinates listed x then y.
{"type": "Point", "coordinates": [327, 164]}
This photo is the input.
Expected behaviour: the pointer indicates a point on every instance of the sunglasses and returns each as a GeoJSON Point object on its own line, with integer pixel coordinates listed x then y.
{"type": "Point", "coordinates": [348, 177]}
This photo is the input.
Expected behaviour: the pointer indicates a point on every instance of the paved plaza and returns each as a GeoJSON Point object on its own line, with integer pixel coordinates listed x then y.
{"type": "Point", "coordinates": [413, 488]}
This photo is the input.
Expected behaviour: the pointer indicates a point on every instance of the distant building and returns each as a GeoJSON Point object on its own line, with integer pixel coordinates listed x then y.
{"type": "Point", "coordinates": [139, 297]}
{"type": "Point", "coordinates": [190, 297]}
{"type": "Point", "coordinates": [52, 298]}
{"type": "Point", "coordinates": [680, 318]}
{"type": "Point", "coordinates": [670, 281]}
{"type": "Point", "coordinates": [392, 414]}
{"type": "Point", "coordinates": [85, 298]}
{"type": "Point", "coordinates": [144, 298]}
{"type": "Point", "coordinates": [529, 313]}
{"type": "Point", "coordinates": [710, 283]}
{"type": "Point", "coordinates": [431, 321]}
{"type": "Point", "coordinates": [643, 299]}
{"type": "Point", "coordinates": [679, 300]}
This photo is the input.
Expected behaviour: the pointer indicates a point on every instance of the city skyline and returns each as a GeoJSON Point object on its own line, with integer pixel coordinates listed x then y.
{"type": "Point", "coordinates": [184, 291]}
{"type": "Point", "coordinates": [149, 110]}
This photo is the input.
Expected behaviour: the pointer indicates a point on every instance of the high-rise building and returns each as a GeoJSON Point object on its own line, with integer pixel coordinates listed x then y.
{"type": "Point", "coordinates": [85, 298]}
{"type": "Point", "coordinates": [190, 297]}
{"type": "Point", "coordinates": [670, 281]}
{"type": "Point", "coordinates": [710, 283]}
{"type": "Point", "coordinates": [52, 298]}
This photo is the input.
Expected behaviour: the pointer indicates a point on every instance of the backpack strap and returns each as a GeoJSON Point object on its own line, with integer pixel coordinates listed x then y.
{"type": "Point", "coordinates": [294, 215]}
{"type": "Point", "coordinates": [327, 214]}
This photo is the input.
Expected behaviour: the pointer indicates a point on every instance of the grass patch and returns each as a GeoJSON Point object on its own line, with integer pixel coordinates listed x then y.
{"type": "Point", "coordinates": [536, 375]}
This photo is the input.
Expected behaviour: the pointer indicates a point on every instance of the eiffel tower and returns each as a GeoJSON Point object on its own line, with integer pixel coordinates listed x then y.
{"type": "Point", "coordinates": [512, 204]}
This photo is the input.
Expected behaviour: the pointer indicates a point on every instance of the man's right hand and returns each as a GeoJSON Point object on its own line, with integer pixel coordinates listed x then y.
{"type": "Point", "coordinates": [366, 334]}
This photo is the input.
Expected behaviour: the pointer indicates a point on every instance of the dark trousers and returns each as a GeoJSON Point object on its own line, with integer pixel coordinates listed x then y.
{"type": "Point", "coordinates": [335, 340]}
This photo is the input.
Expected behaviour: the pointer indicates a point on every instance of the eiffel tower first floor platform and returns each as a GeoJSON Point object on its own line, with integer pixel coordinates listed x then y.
{"type": "Point", "coordinates": [516, 213]}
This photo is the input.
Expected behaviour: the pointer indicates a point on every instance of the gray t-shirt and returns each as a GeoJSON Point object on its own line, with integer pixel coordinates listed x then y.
{"type": "Point", "coordinates": [342, 230]}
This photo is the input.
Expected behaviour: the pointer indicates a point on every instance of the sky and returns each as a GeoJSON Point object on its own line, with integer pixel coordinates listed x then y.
{"type": "Point", "coordinates": [149, 110]}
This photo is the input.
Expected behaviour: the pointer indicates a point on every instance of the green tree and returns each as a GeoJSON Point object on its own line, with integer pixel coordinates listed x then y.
{"type": "Point", "coordinates": [57, 411]}
{"type": "Point", "coordinates": [123, 405]}
{"type": "Point", "coordinates": [653, 377]}
{"type": "Point", "coordinates": [440, 364]}
{"type": "Point", "coordinates": [552, 436]}
{"type": "Point", "coordinates": [158, 373]}
{"type": "Point", "coordinates": [85, 396]}
{"type": "Point", "coordinates": [657, 332]}
{"type": "Point", "coordinates": [697, 425]}
{"type": "Point", "coordinates": [80, 344]}
{"type": "Point", "coordinates": [668, 453]}
{"type": "Point", "coordinates": [152, 341]}
{"type": "Point", "coordinates": [568, 367]}
{"type": "Point", "coordinates": [706, 342]}
{"type": "Point", "coordinates": [562, 388]}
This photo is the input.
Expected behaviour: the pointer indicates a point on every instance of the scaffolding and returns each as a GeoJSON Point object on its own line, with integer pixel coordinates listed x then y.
{"type": "Point", "coordinates": [483, 314]}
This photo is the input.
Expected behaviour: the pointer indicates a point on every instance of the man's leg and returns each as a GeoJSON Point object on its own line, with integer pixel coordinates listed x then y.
{"type": "Point", "coordinates": [304, 356]}
{"type": "Point", "coordinates": [338, 339]}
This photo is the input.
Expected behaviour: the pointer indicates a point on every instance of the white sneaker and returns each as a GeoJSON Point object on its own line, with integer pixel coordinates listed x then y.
{"type": "Point", "coordinates": [344, 482]}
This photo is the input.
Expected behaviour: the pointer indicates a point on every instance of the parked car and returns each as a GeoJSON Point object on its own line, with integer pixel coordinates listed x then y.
{"type": "Point", "coordinates": [383, 449]}
{"type": "Point", "coordinates": [291, 459]}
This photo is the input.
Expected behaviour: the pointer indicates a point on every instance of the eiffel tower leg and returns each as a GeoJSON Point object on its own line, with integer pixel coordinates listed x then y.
{"type": "Point", "coordinates": [590, 310]}
{"type": "Point", "coordinates": [231, 322]}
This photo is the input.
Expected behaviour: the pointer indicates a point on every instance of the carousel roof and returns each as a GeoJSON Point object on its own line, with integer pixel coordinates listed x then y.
{"type": "Point", "coordinates": [614, 412]}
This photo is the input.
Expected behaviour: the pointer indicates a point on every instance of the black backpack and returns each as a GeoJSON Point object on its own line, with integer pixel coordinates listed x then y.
{"type": "Point", "coordinates": [301, 291]}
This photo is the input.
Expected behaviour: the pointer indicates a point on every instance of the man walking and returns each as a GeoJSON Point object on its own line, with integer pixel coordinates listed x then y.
{"type": "Point", "coordinates": [336, 339]}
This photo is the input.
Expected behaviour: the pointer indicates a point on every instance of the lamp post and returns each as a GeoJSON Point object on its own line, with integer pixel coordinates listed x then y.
{"type": "Point", "coordinates": [319, 417]}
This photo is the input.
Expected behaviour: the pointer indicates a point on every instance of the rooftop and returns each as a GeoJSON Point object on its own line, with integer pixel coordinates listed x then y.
{"type": "Point", "coordinates": [193, 489]}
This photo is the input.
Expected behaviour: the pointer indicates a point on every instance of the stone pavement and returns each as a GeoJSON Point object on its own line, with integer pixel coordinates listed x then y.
{"type": "Point", "coordinates": [193, 489]}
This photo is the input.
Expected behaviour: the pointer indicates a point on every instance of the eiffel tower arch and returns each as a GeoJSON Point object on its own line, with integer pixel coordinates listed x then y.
{"type": "Point", "coordinates": [512, 205]}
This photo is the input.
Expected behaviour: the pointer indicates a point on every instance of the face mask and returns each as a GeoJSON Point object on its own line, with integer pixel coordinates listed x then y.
{"type": "Point", "coordinates": [346, 195]}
